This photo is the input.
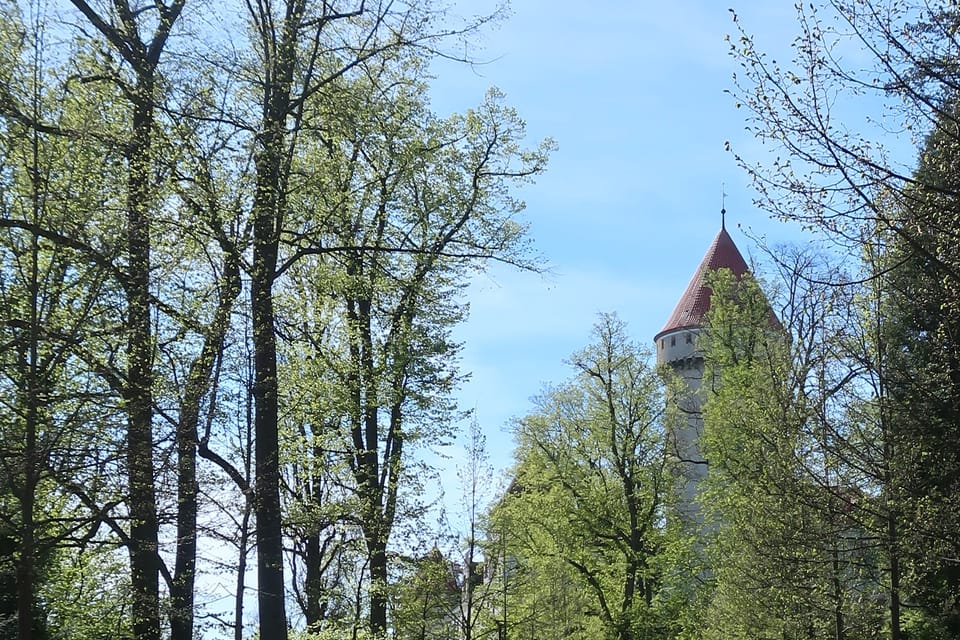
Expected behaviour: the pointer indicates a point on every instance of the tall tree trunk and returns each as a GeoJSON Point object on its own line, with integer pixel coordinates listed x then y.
{"type": "Point", "coordinates": [27, 493]}
{"type": "Point", "coordinates": [144, 59]}
{"type": "Point", "coordinates": [184, 578]}
{"type": "Point", "coordinates": [269, 206]}
{"type": "Point", "coordinates": [144, 528]}
{"type": "Point", "coordinates": [267, 209]}
{"type": "Point", "coordinates": [838, 627]}
{"type": "Point", "coordinates": [312, 588]}
{"type": "Point", "coordinates": [366, 443]}
{"type": "Point", "coordinates": [315, 610]}
{"type": "Point", "coordinates": [241, 573]}
{"type": "Point", "coordinates": [26, 565]}
{"type": "Point", "coordinates": [273, 624]}
{"type": "Point", "coordinates": [891, 505]}
{"type": "Point", "coordinates": [894, 551]}
{"type": "Point", "coordinates": [26, 562]}
{"type": "Point", "coordinates": [244, 542]}
{"type": "Point", "coordinates": [199, 384]}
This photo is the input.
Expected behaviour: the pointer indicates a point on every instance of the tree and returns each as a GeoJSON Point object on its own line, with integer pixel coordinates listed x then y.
{"type": "Point", "coordinates": [834, 172]}
{"type": "Point", "coordinates": [477, 593]}
{"type": "Point", "coordinates": [537, 594]}
{"type": "Point", "coordinates": [304, 48]}
{"type": "Point", "coordinates": [179, 195]}
{"type": "Point", "coordinates": [836, 175]}
{"type": "Point", "coordinates": [594, 485]}
{"type": "Point", "coordinates": [777, 502]}
{"type": "Point", "coordinates": [206, 239]}
{"type": "Point", "coordinates": [88, 591]}
{"type": "Point", "coordinates": [57, 414]}
{"type": "Point", "coordinates": [804, 493]}
{"type": "Point", "coordinates": [139, 39]}
{"type": "Point", "coordinates": [404, 207]}
{"type": "Point", "coordinates": [923, 374]}
{"type": "Point", "coordinates": [455, 593]}
{"type": "Point", "coordinates": [84, 164]}
{"type": "Point", "coordinates": [427, 604]}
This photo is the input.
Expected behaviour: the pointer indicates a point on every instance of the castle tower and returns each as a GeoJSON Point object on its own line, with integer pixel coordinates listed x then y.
{"type": "Point", "coordinates": [676, 345]}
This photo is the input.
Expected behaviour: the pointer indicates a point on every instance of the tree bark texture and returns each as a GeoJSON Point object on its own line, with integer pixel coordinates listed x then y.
{"type": "Point", "coordinates": [144, 528]}
{"type": "Point", "coordinates": [268, 208]}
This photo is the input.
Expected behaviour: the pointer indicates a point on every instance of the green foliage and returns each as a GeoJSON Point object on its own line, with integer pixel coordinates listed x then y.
{"type": "Point", "coordinates": [428, 599]}
{"type": "Point", "coordinates": [833, 173]}
{"type": "Point", "coordinates": [918, 625]}
{"type": "Point", "coordinates": [787, 532]}
{"type": "Point", "coordinates": [56, 308]}
{"type": "Point", "coordinates": [88, 595]}
{"type": "Point", "coordinates": [398, 208]}
{"type": "Point", "coordinates": [541, 595]}
{"type": "Point", "coordinates": [593, 490]}
{"type": "Point", "coordinates": [128, 204]}
{"type": "Point", "coordinates": [921, 306]}
{"type": "Point", "coordinates": [330, 635]}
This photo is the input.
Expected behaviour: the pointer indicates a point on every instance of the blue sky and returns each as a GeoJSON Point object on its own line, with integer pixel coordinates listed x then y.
{"type": "Point", "coordinates": [633, 94]}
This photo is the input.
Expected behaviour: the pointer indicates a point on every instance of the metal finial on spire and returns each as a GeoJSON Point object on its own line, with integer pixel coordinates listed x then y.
{"type": "Point", "coordinates": [723, 206]}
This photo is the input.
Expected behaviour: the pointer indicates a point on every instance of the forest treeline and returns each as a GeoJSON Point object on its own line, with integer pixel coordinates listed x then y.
{"type": "Point", "coordinates": [234, 241]}
{"type": "Point", "coordinates": [831, 508]}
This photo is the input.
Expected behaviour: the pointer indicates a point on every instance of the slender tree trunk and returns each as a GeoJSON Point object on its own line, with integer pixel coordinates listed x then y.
{"type": "Point", "coordinates": [838, 632]}
{"type": "Point", "coordinates": [26, 562]}
{"type": "Point", "coordinates": [241, 573]}
{"type": "Point", "coordinates": [376, 531]}
{"type": "Point", "coordinates": [26, 566]}
{"type": "Point", "coordinates": [29, 361]}
{"type": "Point", "coordinates": [244, 543]}
{"type": "Point", "coordinates": [199, 384]}
{"type": "Point", "coordinates": [366, 442]}
{"type": "Point", "coordinates": [895, 632]}
{"type": "Point", "coordinates": [314, 611]}
{"type": "Point", "coordinates": [311, 583]}
{"type": "Point", "coordinates": [889, 450]}
{"type": "Point", "coordinates": [182, 589]}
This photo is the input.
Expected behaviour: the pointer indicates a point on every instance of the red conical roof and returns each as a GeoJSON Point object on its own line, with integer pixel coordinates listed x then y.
{"type": "Point", "coordinates": [695, 303]}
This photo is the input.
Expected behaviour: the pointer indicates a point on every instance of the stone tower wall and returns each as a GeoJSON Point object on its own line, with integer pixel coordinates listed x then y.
{"type": "Point", "coordinates": [678, 349]}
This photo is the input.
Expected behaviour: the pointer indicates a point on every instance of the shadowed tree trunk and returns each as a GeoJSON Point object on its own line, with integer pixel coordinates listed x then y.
{"type": "Point", "coordinates": [143, 57]}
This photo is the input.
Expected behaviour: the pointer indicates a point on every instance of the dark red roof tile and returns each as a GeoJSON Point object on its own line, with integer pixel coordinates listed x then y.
{"type": "Point", "coordinates": [695, 303]}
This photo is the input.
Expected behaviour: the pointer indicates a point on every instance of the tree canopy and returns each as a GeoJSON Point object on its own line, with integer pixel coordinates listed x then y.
{"type": "Point", "coordinates": [231, 266]}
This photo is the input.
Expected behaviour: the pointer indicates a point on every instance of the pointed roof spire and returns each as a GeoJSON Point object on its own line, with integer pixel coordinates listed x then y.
{"type": "Point", "coordinates": [723, 206]}
{"type": "Point", "coordinates": [695, 302]}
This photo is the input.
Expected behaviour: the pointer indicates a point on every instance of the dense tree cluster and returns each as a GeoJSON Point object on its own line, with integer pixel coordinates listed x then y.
{"type": "Point", "coordinates": [593, 488]}
{"type": "Point", "coordinates": [830, 508]}
{"type": "Point", "coordinates": [848, 429]}
{"type": "Point", "coordinates": [233, 248]}
{"type": "Point", "coordinates": [232, 245]}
